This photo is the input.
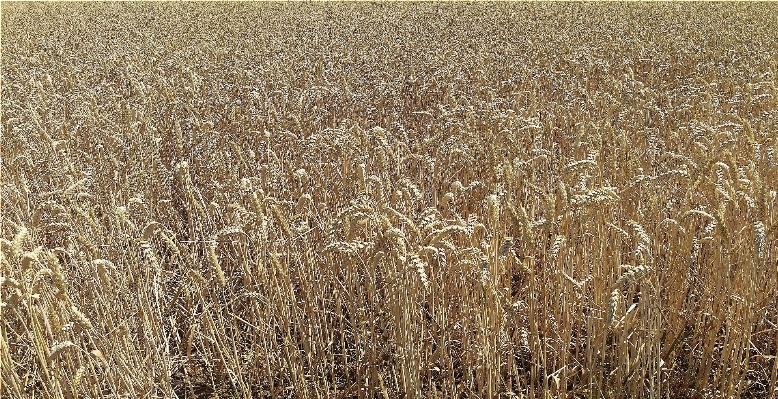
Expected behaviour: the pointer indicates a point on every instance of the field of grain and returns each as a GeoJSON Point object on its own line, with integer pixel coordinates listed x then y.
{"type": "Point", "coordinates": [384, 200]}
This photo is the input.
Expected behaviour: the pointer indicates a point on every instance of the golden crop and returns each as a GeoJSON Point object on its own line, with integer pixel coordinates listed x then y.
{"type": "Point", "coordinates": [389, 200]}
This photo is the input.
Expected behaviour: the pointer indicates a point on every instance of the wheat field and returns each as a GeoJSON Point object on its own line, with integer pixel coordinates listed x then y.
{"type": "Point", "coordinates": [389, 200]}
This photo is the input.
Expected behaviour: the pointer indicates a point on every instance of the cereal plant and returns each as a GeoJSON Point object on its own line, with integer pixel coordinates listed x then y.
{"type": "Point", "coordinates": [388, 200]}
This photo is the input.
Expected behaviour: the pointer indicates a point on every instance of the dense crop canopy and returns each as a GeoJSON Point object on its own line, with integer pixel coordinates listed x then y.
{"type": "Point", "coordinates": [389, 200]}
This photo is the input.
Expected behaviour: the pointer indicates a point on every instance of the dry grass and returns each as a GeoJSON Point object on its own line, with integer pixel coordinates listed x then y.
{"type": "Point", "coordinates": [389, 200]}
